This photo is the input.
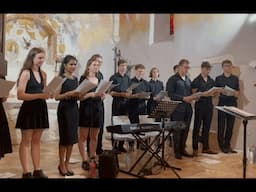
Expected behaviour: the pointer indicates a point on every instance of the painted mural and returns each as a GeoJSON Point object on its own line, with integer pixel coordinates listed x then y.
{"type": "Point", "coordinates": [58, 34]}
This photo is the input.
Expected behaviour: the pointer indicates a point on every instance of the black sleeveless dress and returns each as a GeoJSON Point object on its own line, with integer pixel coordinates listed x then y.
{"type": "Point", "coordinates": [33, 114]}
{"type": "Point", "coordinates": [5, 138]}
{"type": "Point", "coordinates": [90, 111]}
{"type": "Point", "coordinates": [68, 115]}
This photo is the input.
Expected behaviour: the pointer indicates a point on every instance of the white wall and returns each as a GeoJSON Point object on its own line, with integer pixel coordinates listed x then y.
{"type": "Point", "coordinates": [199, 36]}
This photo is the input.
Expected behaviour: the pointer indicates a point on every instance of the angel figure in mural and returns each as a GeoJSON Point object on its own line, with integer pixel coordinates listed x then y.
{"type": "Point", "coordinates": [27, 43]}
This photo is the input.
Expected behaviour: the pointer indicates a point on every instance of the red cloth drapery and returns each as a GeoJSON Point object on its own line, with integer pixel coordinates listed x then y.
{"type": "Point", "coordinates": [171, 24]}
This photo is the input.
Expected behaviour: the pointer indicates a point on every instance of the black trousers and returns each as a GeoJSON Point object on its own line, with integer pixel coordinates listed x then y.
{"type": "Point", "coordinates": [203, 115]}
{"type": "Point", "coordinates": [225, 129]}
{"type": "Point", "coordinates": [180, 136]}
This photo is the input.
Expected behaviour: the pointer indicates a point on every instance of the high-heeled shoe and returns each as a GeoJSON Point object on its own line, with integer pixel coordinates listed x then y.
{"type": "Point", "coordinates": [70, 173]}
{"type": "Point", "coordinates": [61, 173]}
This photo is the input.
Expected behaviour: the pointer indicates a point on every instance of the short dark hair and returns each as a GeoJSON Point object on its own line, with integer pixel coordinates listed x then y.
{"type": "Point", "coordinates": [151, 71]}
{"type": "Point", "coordinates": [182, 61]}
{"type": "Point", "coordinates": [227, 61]}
{"type": "Point", "coordinates": [139, 66]}
{"type": "Point", "coordinates": [121, 61]}
{"type": "Point", "coordinates": [175, 67]}
{"type": "Point", "coordinates": [206, 64]}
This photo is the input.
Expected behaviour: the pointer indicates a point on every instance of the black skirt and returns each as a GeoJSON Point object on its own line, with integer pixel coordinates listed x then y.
{"type": "Point", "coordinates": [68, 122]}
{"type": "Point", "coordinates": [5, 139]}
{"type": "Point", "coordinates": [91, 113]}
{"type": "Point", "coordinates": [33, 115]}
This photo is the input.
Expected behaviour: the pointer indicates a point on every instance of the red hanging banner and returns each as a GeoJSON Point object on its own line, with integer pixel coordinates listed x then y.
{"type": "Point", "coordinates": [171, 24]}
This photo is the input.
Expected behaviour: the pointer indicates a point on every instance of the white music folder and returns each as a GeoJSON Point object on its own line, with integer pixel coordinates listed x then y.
{"type": "Point", "coordinates": [103, 86]}
{"type": "Point", "coordinates": [228, 91]}
{"type": "Point", "coordinates": [132, 86]}
{"type": "Point", "coordinates": [54, 85]}
{"type": "Point", "coordinates": [160, 95]}
{"type": "Point", "coordinates": [85, 86]}
{"type": "Point", "coordinates": [5, 87]}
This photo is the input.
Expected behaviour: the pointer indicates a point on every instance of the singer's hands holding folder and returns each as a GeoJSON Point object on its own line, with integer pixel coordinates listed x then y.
{"type": "Point", "coordinates": [92, 95]}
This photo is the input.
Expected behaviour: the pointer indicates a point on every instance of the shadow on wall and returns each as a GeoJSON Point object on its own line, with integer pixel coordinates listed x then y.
{"type": "Point", "coordinates": [242, 101]}
{"type": "Point", "coordinates": [243, 41]}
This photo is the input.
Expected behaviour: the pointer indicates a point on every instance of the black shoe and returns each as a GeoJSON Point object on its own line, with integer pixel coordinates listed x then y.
{"type": "Point", "coordinates": [195, 152]}
{"type": "Point", "coordinates": [85, 165]}
{"type": "Point", "coordinates": [225, 150]}
{"type": "Point", "coordinates": [39, 174]}
{"type": "Point", "coordinates": [122, 149]}
{"type": "Point", "coordinates": [70, 173]}
{"type": "Point", "coordinates": [27, 175]}
{"type": "Point", "coordinates": [209, 151]}
{"type": "Point", "coordinates": [61, 173]}
{"type": "Point", "coordinates": [178, 156]}
{"type": "Point", "coordinates": [186, 154]}
{"type": "Point", "coordinates": [231, 150]}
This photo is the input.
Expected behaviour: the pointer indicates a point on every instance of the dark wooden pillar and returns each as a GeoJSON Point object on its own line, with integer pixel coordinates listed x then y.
{"type": "Point", "coordinates": [3, 62]}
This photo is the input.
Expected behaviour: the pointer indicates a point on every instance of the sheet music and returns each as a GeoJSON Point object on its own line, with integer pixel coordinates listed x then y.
{"type": "Point", "coordinates": [5, 87]}
{"type": "Point", "coordinates": [160, 95]}
{"type": "Point", "coordinates": [228, 91]}
{"type": "Point", "coordinates": [85, 86]}
{"type": "Point", "coordinates": [214, 89]}
{"type": "Point", "coordinates": [198, 94]}
{"type": "Point", "coordinates": [112, 87]}
{"type": "Point", "coordinates": [54, 84]}
{"type": "Point", "coordinates": [142, 95]}
{"type": "Point", "coordinates": [103, 86]}
{"type": "Point", "coordinates": [132, 86]}
{"type": "Point", "coordinates": [239, 111]}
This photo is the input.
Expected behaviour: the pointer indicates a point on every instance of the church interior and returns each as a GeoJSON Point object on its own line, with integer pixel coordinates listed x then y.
{"type": "Point", "coordinates": [154, 40]}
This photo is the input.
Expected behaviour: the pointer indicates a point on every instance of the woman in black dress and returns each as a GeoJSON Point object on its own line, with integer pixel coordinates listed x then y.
{"type": "Point", "coordinates": [5, 138]}
{"type": "Point", "coordinates": [155, 86]}
{"type": "Point", "coordinates": [90, 114]}
{"type": "Point", "coordinates": [67, 114]}
{"type": "Point", "coordinates": [33, 115]}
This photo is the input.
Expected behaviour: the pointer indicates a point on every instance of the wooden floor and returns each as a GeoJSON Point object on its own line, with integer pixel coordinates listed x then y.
{"type": "Point", "coordinates": [204, 166]}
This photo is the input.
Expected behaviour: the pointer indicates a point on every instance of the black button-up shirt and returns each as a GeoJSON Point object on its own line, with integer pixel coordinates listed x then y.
{"type": "Point", "coordinates": [233, 82]}
{"type": "Point", "coordinates": [119, 103]}
{"type": "Point", "coordinates": [201, 85]}
{"type": "Point", "coordinates": [139, 105]}
{"type": "Point", "coordinates": [177, 88]}
{"type": "Point", "coordinates": [155, 87]}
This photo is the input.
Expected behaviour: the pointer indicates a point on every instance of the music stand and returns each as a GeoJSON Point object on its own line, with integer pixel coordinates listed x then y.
{"type": "Point", "coordinates": [241, 115]}
{"type": "Point", "coordinates": [163, 110]}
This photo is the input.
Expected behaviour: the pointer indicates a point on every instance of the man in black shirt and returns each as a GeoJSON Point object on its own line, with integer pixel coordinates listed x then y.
{"type": "Point", "coordinates": [226, 121]}
{"type": "Point", "coordinates": [120, 94]}
{"type": "Point", "coordinates": [203, 109]}
{"type": "Point", "coordinates": [179, 89]}
{"type": "Point", "coordinates": [137, 106]}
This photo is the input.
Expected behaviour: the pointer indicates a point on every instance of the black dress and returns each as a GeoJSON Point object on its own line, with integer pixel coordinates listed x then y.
{"type": "Point", "coordinates": [90, 111]}
{"type": "Point", "coordinates": [5, 138]}
{"type": "Point", "coordinates": [33, 114]}
{"type": "Point", "coordinates": [68, 115]}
